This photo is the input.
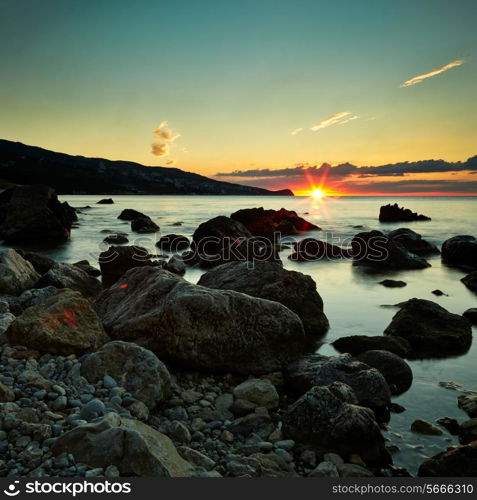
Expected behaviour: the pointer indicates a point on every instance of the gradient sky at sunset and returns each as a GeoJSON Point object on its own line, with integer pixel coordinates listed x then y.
{"type": "Point", "coordinates": [248, 84]}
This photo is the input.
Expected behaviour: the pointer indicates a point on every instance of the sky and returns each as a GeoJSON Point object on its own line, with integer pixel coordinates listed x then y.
{"type": "Point", "coordinates": [228, 88]}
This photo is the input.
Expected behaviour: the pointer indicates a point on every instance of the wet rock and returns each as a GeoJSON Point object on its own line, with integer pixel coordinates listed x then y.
{"type": "Point", "coordinates": [395, 213]}
{"type": "Point", "coordinates": [116, 238]}
{"type": "Point", "coordinates": [173, 243]}
{"type": "Point", "coordinates": [41, 263]}
{"type": "Point", "coordinates": [105, 201]}
{"type": "Point", "coordinates": [6, 394]}
{"type": "Point", "coordinates": [430, 329]}
{"type": "Point", "coordinates": [175, 265]}
{"type": "Point", "coordinates": [260, 392]}
{"type": "Point", "coordinates": [413, 242]}
{"type": "Point", "coordinates": [393, 283]}
{"type": "Point", "coordinates": [69, 276]}
{"type": "Point", "coordinates": [450, 424]}
{"type": "Point", "coordinates": [115, 261]}
{"type": "Point", "coordinates": [88, 268]}
{"type": "Point", "coordinates": [265, 223]}
{"type": "Point", "coordinates": [460, 251]}
{"type": "Point", "coordinates": [218, 233]}
{"type": "Point", "coordinates": [395, 370]}
{"type": "Point", "coordinates": [471, 315]}
{"type": "Point", "coordinates": [468, 403]}
{"type": "Point", "coordinates": [457, 462]}
{"type": "Point", "coordinates": [16, 273]}
{"type": "Point", "coordinates": [130, 214]}
{"type": "Point", "coordinates": [269, 280]}
{"type": "Point", "coordinates": [199, 327]}
{"type": "Point", "coordinates": [376, 250]}
{"type": "Point", "coordinates": [367, 383]}
{"type": "Point", "coordinates": [470, 281]}
{"type": "Point", "coordinates": [133, 447]}
{"type": "Point", "coordinates": [33, 214]}
{"type": "Point", "coordinates": [420, 426]}
{"type": "Point", "coordinates": [356, 344]}
{"type": "Point", "coordinates": [310, 249]}
{"type": "Point", "coordinates": [144, 225]}
{"type": "Point", "coordinates": [438, 293]}
{"type": "Point", "coordinates": [135, 368]}
{"type": "Point", "coordinates": [320, 418]}
{"type": "Point", "coordinates": [64, 324]}
{"type": "Point", "coordinates": [468, 431]}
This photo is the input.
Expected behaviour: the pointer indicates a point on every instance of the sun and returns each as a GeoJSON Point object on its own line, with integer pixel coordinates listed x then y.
{"type": "Point", "coordinates": [317, 194]}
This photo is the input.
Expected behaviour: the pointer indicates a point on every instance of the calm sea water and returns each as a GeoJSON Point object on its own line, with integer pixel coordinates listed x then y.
{"type": "Point", "coordinates": [352, 298]}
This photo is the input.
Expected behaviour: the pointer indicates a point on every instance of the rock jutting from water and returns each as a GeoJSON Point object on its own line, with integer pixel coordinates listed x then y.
{"type": "Point", "coordinates": [395, 213]}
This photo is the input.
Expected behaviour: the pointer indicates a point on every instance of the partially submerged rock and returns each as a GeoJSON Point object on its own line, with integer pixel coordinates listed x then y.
{"type": "Point", "coordinates": [395, 370]}
{"type": "Point", "coordinates": [144, 225]}
{"type": "Point", "coordinates": [269, 280]}
{"type": "Point", "coordinates": [105, 201]}
{"type": "Point", "coordinates": [130, 214]}
{"type": "Point", "coordinates": [133, 447]}
{"type": "Point", "coordinates": [33, 214]}
{"type": "Point", "coordinates": [460, 251]}
{"type": "Point", "coordinates": [216, 234]}
{"type": "Point", "coordinates": [457, 462]}
{"type": "Point", "coordinates": [261, 222]}
{"type": "Point", "coordinates": [373, 248]}
{"type": "Point", "coordinates": [136, 369]}
{"type": "Point", "coordinates": [173, 242]}
{"type": "Point", "coordinates": [393, 283]}
{"type": "Point", "coordinates": [321, 418]}
{"type": "Point", "coordinates": [420, 426]}
{"type": "Point", "coordinates": [64, 324]}
{"type": "Point", "coordinates": [395, 213]}
{"type": "Point", "coordinates": [471, 315]}
{"type": "Point", "coordinates": [468, 403]}
{"type": "Point", "coordinates": [116, 238]}
{"type": "Point", "coordinates": [199, 327]}
{"type": "Point", "coordinates": [413, 242]}
{"type": "Point", "coordinates": [470, 281]}
{"type": "Point", "coordinates": [430, 329]}
{"type": "Point", "coordinates": [310, 249]}
{"type": "Point", "coordinates": [356, 344]}
{"type": "Point", "coordinates": [369, 386]}
{"type": "Point", "coordinates": [16, 273]}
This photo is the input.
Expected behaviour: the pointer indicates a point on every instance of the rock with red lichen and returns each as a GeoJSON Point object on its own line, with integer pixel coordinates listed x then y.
{"type": "Point", "coordinates": [64, 323]}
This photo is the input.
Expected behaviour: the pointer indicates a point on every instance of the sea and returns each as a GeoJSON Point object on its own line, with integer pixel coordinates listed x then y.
{"type": "Point", "coordinates": [353, 299]}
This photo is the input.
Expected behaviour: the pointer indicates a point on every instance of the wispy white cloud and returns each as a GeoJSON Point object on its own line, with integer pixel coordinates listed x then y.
{"type": "Point", "coordinates": [336, 119]}
{"type": "Point", "coordinates": [297, 131]}
{"type": "Point", "coordinates": [420, 78]}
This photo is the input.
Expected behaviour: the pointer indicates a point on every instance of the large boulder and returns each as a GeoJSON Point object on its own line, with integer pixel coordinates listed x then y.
{"type": "Point", "coordinates": [457, 462]}
{"type": "Point", "coordinates": [133, 447]}
{"type": "Point", "coordinates": [267, 223]}
{"type": "Point", "coordinates": [310, 249]}
{"type": "Point", "coordinates": [413, 242]}
{"type": "Point", "coordinates": [369, 386]}
{"type": "Point", "coordinates": [41, 263]}
{"type": "Point", "coordinates": [130, 214]}
{"type": "Point", "coordinates": [33, 214]}
{"type": "Point", "coordinates": [395, 370]}
{"type": "Point", "coordinates": [460, 251]}
{"type": "Point", "coordinates": [16, 273]}
{"type": "Point", "coordinates": [136, 369]}
{"type": "Point", "coordinates": [269, 280]}
{"type": "Point", "coordinates": [430, 329]}
{"type": "Point", "coordinates": [69, 276]}
{"type": "Point", "coordinates": [471, 315]}
{"type": "Point", "coordinates": [63, 323]}
{"type": "Point", "coordinates": [199, 327]}
{"type": "Point", "coordinates": [115, 261]}
{"type": "Point", "coordinates": [470, 281]}
{"type": "Point", "coordinates": [395, 213]}
{"type": "Point", "coordinates": [356, 344]}
{"type": "Point", "coordinates": [373, 248]}
{"type": "Point", "coordinates": [221, 232]}
{"type": "Point", "coordinates": [324, 419]}
{"type": "Point", "coordinates": [144, 225]}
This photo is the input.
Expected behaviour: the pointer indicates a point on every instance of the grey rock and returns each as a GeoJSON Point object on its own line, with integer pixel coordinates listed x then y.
{"type": "Point", "coordinates": [261, 392]}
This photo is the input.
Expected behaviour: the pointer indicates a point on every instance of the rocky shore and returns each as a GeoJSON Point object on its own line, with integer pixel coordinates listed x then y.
{"type": "Point", "coordinates": [124, 368]}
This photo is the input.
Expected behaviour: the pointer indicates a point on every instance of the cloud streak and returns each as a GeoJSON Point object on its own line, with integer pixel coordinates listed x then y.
{"type": "Point", "coordinates": [420, 78]}
{"type": "Point", "coordinates": [336, 119]}
{"type": "Point", "coordinates": [347, 170]}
